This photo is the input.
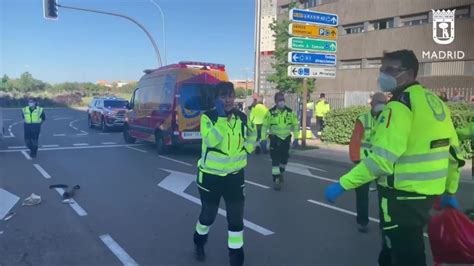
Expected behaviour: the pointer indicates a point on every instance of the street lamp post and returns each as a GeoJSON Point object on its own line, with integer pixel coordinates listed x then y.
{"type": "Point", "coordinates": [163, 28]}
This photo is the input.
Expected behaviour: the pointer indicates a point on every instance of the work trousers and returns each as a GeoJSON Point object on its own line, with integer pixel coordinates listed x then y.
{"type": "Point", "coordinates": [279, 153]}
{"type": "Point", "coordinates": [319, 125]}
{"type": "Point", "coordinates": [362, 204]}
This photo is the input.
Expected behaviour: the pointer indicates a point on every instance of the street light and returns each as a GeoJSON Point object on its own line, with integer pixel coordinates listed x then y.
{"type": "Point", "coordinates": [163, 27]}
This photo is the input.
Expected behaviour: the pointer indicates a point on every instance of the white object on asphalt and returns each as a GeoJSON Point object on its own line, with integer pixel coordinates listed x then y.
{"type": "Point", "coordinates": [32, 200]}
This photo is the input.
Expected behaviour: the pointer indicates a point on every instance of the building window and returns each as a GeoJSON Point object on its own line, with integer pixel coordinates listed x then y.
{"type": "Point", "coordinates": [352, 29]}
{"type": "Point", "coordinates": [413, 20]}
{"type": "Point", "coordinates": [462, 12]}
{"type": "Point", "coordinates": [350, 64]}
{"type": "Point", "coordinates": [450, 68]}
{"type": "Point", "coordinates": [374, 62]}
{"type": "Point", "coordinates": [381, 24]}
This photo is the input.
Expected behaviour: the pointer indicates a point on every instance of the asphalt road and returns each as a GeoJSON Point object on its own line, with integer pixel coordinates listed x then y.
{"type": "Point", "coordinates": [135, 207]}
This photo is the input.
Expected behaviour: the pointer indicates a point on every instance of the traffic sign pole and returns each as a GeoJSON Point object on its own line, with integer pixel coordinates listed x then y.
{"type": "Point", "coordinates": [303, 122]}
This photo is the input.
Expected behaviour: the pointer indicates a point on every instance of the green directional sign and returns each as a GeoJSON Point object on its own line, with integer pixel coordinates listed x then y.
{"type": "Point", "coordinates": [312, 45]}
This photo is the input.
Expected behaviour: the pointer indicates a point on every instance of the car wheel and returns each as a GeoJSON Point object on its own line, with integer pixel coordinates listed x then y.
{"type": "Point", "coordinates": [126, 136]}
{"type": "Point", "coordinates": [89, 122]}
{"type": "Point", "coordinates": [161, 148]}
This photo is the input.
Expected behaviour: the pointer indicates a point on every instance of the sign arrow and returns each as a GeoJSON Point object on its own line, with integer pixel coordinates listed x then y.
{"type": "Point", "coordinates": [7, 201]}
{"type": "Point", "coordinates": [302, 169]}
{"type": "Point", "coordinates": [295, 57]}
{"type": "Point", "coordinates": [177, 182]}
{"type": "Point", "coordinates": [294, 71]}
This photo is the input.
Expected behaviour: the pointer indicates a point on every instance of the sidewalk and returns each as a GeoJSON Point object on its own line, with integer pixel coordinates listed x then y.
{"type": "Point", "coordinates": [340, 153]}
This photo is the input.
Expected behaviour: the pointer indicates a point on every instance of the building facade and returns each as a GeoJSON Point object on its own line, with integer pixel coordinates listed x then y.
{"type": "Point", "coordinates": [370, 27]}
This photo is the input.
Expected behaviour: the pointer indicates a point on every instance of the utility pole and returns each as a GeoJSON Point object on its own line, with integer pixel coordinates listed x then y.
{"type": "Point", "coordinates": [163, 29]}
{"type": "Point", "coordinates": [303, 122]}
{"type": "Point", "coordinates": [257, 46]}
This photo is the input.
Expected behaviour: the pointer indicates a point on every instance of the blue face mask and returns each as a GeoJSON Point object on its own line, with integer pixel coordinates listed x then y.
{"type": "Point", "coordinates": [386, 82]}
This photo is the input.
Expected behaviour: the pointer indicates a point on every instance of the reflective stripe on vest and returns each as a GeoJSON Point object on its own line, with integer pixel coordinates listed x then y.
{"type": "Point", "coordinates": [280, 124]}
{"type": "Point", "coordinates": [32, 117]}
{"type": "Point", "coordinates": [368, 123]}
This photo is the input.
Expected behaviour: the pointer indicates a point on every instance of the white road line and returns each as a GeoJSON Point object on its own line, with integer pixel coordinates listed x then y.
{"type": "Point", "coordinates": [10, 128]}
{"type": "Point", "coordinates": [59, 135]}
{"type": "Point", "coordinates": [176, 161]}
{"type": "Point", "coordinates": [42, 171]}
{"type": "Point", "coordinates": [109, 143]}
{"type": "Point", "coordinates": [16, 147]}
{"type": "Point", "coordinates": [102, 133]}
{"type": "Point", "coordinates": [346, 211]}
{"type": "Point", "coordinates": [136, 149]}
{"type": "Point", "coordinates": [8, 136]}
{"type": "Point", "coordinates": [62, 118]}
{"type": "Point", "coordinates": [80, 144]}
{"type": "Point", "coordinates": [118, 251]}
{"type": "Point", "coordinates": [50, 146]}
{"type": "Point", "coordinates": [27, 156]}
{"type": "Point", "coordinates": [75, 206]}
{"type": "Point", "coordinates": [257, 184]}
{"type": "Point", "coordinates": [75, 128]}
{"type": "Point", "coordinates": [78, 147]}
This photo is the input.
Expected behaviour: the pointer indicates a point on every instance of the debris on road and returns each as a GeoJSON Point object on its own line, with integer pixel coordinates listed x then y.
{"type": "Point", "coordinates": [68, 201]}
{"type": "Point", "coordinates": [9, 216]}
{"type": "Point", "coordinates": [32, 200]}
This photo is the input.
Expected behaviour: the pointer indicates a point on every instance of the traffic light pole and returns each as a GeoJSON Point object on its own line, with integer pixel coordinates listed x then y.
{"type": "Point", "coordinates": [158, 56]}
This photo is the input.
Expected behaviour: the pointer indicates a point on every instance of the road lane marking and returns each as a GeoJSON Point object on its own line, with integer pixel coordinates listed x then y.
{"type": "Point", "coordinates": [74, 205]}
{"type": "Point", "coordinates": [177, 182]}
{"type": "Point", "coordinates": [50, 146]}
{"type": "Point", "coordinates": [102, 133]}
{"type": "Point", "coordinates": [257, 184]}
{"type": "Point", "coordinates": [59, 135]}
{"type": "Point", "coordinates": [346, 211]}
{"type": "Point", "coordinates": [71, 124]}
{"type": "Point", "coordinates": [136, 149]}
{"type": "Point", "coordinates": [118, 251]}
{"type": "Point", "coordinates": [62, 118]}
{"type": "Point", "coordinates": [27, 156]}
{"type": "Point", "coordinates": [78, 147]}
{"type": "Point", "coordinates": [16, 147]}
{"type": "Point", "coordinates": [83, 133]}
{"type": "Point", "coordinates": [7, 202]}
{"type": "Point", "coordinates": [174, 160]}
{"type": "Point", "coordinates": [109, 143]}
{"type": "Point", "coordinates": [42, 171]}
{"type": "Point", "coordinates": [80, 144]}
{"type": "Point", "coordinates": [10, 127]}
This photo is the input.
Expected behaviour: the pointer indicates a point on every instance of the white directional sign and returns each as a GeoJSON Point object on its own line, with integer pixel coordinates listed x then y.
{"type": "Point", "coordinates": [311, 72]}
{"type": "Point", "coordinates": [178, 182]}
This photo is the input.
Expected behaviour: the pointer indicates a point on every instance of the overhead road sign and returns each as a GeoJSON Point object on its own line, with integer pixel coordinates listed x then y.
{"type": "Point", "coordinates": [315, 45]}
{"type": "Point", "coordinates": [312, 58]}
{"type": "Point", "coordinates": [311, 72]}
{"type": "Point", "coordinates": [313, 17]}
{"type": "Point", "coordinates": [313, 31]}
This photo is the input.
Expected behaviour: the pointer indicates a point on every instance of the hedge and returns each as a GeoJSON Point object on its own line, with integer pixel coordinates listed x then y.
{"type": "Point", "coordinates": [340, 123]}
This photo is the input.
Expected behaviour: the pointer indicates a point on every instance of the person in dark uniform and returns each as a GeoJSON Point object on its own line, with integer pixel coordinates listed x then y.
{"type": "Point", "coordinates": [34, 117]}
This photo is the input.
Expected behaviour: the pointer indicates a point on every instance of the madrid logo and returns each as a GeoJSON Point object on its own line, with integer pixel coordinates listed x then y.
{"type": "Point", "coordinates": [443, 26]}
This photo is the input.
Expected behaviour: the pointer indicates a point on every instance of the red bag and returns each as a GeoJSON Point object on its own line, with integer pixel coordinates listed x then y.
{"type": "Point", "coordinates": [451, 237]}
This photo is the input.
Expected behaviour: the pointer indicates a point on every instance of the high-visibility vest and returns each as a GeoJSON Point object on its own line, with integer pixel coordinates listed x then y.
{"type": "Point", "coordinates": [281, 123]}
{"type": "Point", "coordinates": [32, 117]}
{"type": "Point", "coordinates": [322, 108]}
{"type": "Point", "coordinates": [368, 122]}
{"type": "Point", "coordinates": [225, 143]}
{"type": "Point", "coordinates": [415, 147]}
{"type": "Point", "coordinates": [310, 106]}
{"type": "Point", "coordinates": [257, 114]}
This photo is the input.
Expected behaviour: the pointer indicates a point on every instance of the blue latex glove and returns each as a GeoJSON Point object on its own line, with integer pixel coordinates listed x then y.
{"type": "Point", "coordinates": [333, 192]}
{"type": "Point", "coordinates": [295, 143]}
{"type": "Point", "coordinates": [220, 108]}
{"type": "Point", "coordinates": [448, 200]}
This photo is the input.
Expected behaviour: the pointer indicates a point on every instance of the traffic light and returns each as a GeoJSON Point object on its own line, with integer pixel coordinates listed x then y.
{"type": "Point", "coordinates": [50, 9]}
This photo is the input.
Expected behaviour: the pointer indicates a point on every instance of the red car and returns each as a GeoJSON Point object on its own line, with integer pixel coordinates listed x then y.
{"type": "Point", "coordinates": [106, 113]}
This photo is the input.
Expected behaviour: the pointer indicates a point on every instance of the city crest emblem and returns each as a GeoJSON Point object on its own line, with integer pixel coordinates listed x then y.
{"type": "Point", "coordinates": [443, 26]}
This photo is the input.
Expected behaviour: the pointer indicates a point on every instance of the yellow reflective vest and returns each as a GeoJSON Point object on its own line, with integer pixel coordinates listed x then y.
{"type": "Point", "coordinates": [368, 121]}
{"type": "Point", "coordinates": [322, 108]}
{"type": "Point", "coordinates": [33, 117]}
{"type": "Point", "coordinates": [415, 147]}
{"type": "Point", "coordinates": [281, 123]}
{"type": "Point", "coordinates": [226, 142]}
{"type": "Point", "coordinates": [257, 114]}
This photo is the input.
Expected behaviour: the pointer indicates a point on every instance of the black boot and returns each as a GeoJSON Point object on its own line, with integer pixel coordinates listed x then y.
{"type": "Point", "coordinates": [199, 242]}
{"type": "Point", "coordinates": [236, 257]}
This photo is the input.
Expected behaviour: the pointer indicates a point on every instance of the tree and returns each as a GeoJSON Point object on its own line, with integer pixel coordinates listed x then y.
{"type": "Point", "coordinates": [280, 56]}
{"type": "Point", "coordinates": [240, 93]}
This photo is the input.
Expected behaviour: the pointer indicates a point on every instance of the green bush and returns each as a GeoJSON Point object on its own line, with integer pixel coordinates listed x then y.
{"type": "Point", "coordinates": [340, 123]}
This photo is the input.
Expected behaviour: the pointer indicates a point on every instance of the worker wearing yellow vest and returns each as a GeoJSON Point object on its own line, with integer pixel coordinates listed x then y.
{"type": "Point", "coordinates": [227, 139]}
{"type": "Point", "coordinates": [359, 148]}
{"type": "Point", "coordinates": [415, 154]}
{"type": "Point", "coordinates": [34, 117]}
{"type": "Point", "coordinates": [279, 123]}
{"type": "Point", "coordinates": [257, 115]}
{"type": "Point", "coordinates": [322, 108]}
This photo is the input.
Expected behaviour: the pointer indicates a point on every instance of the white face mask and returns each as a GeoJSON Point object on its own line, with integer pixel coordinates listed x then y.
{"type": "Point", "coordinates": [378, 108]}
{"type": "Point", "coordinates": [388, 83]}
{"type": "Point", "coordinates": [281, 104]}
{"type": "Point", "coordinates": [31, 105]}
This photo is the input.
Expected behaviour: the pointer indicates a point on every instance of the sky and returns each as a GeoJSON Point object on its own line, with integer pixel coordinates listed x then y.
{"type": "Point", "coordinates": [82, 46]}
